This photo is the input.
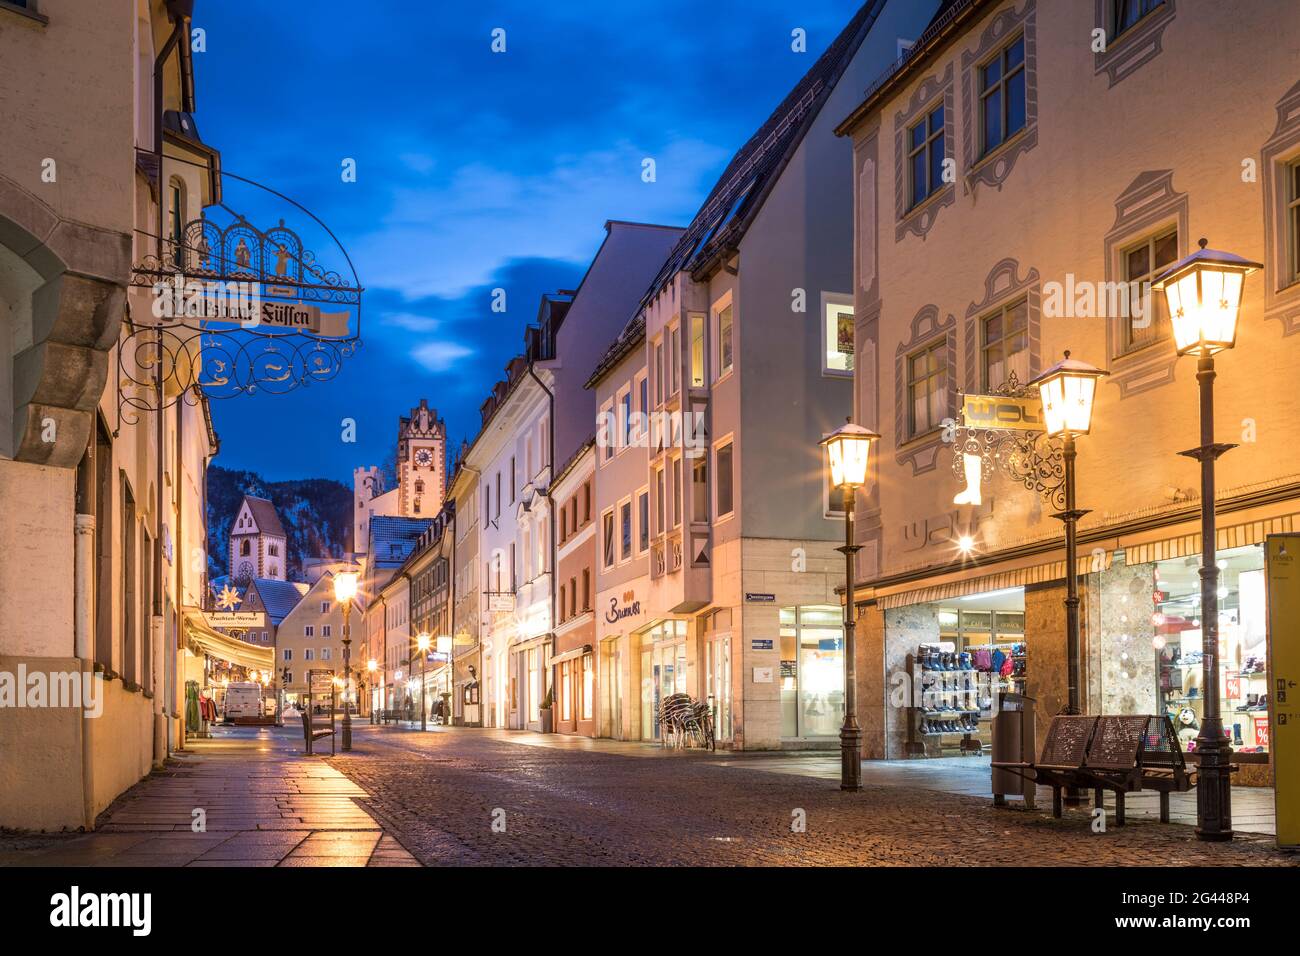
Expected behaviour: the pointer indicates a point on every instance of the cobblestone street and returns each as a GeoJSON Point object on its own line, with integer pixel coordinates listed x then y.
{"type": "Point", "coordinates": [439, 794]}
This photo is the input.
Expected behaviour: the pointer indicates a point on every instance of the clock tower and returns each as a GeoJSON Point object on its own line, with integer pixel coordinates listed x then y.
{"type": "Point", "coordinates": [421, 462]}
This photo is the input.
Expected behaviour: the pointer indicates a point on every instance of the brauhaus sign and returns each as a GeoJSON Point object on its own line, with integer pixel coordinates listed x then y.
{"type": "Point", "coordinates": [244, 304]}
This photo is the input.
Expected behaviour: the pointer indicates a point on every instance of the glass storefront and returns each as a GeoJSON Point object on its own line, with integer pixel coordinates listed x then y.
{"type": "Point", "coordinates": [959, 655]}
{"type": "Point", "coordinates": [812, 671]}
{"type": "Point", "coordinates": [1243, 652]}
{"type": "Point", "coordinates": [663, 670]}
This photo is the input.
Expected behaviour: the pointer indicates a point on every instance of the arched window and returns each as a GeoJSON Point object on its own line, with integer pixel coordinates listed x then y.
{"type": "Point", "coordinates": [244, 548]}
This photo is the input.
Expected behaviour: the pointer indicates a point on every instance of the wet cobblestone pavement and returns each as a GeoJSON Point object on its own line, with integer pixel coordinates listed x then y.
{"type": "Point", "coordinates": [440, 794]}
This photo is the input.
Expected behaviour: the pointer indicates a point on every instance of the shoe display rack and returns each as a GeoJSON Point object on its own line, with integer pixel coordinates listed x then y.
{"type": "Point", "coordinates": [954, 712]}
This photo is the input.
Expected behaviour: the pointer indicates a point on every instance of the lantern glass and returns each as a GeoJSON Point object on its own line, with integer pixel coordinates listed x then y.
{"type": "Point", "coordinates": [1067, 403]}
{"type": "Point", "coordinates": [422, 642]}
{"type": "Point", "coordinates": [1203, 306]}
{"type": "Point", "coordinates": [847, 453]}
{"type": "Point", "coordinates": [345, 586]}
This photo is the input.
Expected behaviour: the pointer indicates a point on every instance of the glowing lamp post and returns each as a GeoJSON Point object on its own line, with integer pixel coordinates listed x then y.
{"type": "Point", "coordinates": [848, 449]}
{"type": "Point", "coordinates": [423, 642]}
{"type": "Point", "coordinates": [1203, 292]}
{"type": "Point", "coordinates": [444, 648]}
{"type": "Point", "coordinates": [345, 592]}
{"type": "Point", "coordinates": [1068, 390]}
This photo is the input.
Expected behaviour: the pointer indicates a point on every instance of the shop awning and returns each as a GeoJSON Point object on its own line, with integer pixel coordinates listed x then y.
{"type": "Point", "coordinates": [1176, 539]}
{"type": "Point", "coordinates": [571, 655]}
{"type": "Point", "coordinates": [223, 646]}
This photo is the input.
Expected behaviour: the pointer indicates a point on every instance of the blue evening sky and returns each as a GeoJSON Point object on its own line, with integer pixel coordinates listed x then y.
{"type": "Point", "coordinates": [475, 171]}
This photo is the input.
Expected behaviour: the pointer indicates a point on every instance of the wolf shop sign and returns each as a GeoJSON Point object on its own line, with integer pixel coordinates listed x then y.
{"type": "Point", "coordinates": [1001, 411]}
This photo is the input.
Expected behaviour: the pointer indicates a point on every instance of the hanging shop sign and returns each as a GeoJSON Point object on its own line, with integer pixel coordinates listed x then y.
{"type": "Point", "coordinates": [235, 310]}
{"type": "Point", "coordinates": [501, 601]}
{"type": "Point", "coordinates": [752, 597]}
{"type": "Point", "coordinates": [1003, 432]}
{"type": "Point", "coordinates": [1281, 733]}
{"type": "Point", "coordinates": [234, 620]}
{"type": "Point", "coordinates": [1002, 411]}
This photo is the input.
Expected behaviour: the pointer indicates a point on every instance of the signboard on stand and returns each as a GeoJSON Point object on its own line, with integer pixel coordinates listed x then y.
{"type": "Point", "coordinates": [1282, 731]}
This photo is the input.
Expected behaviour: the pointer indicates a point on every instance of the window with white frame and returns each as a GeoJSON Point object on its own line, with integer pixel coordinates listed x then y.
{"type": "Point", "coordinates": [326, 630]}
{"type": "Point", "coordinates": [309, 655]}
{"type": "Point", "coordinates": [309, 630]}
{"type": "Point", "coordinates": [675, 498]}
{"type": "Point", "coordinates": [641, 389]}
{"type": "Point", "coordinates": [724, 324]}
{"type": "Point", "coordinates": [925, 155]}
{"type": "Point", "coordinates": [927, 383]}
{"type": "Point", "coordinates": [288, 653]}
{"type": "Point", "coordinates": [674, 359]}
{"type": "Point", "coordinates": [659, 371]}
{"type": "Point", "coordinates": [1293, 219]}
{"type": "Point", "coordinates": [723, 477]}
{"type": "Point", "coordinates": [661, 524]}
{"type": "Point", "coordinates": [624, 417]}
{"type": "Point", "coordinates": [324, 607]}
{"type": "Point", "coordinates": [1141, 264]}
{"type": "Point", "coordinates": [324, 653]}
{"type": "Point", "coordinates": [1002, 95]}
{"type": "Point", "coordinates": [700, 488]}
{"type": "Point", "coordinates": [697, 350]}
{"type": "Point", "coordinates": [625, 535]}
{"type": "Point", "coordinates": [606, 430]}
{"type": "Point", "coordinates": [1004, 344]}
{"type": "Point", "coordinates": [643, 521]}
{"type": "Point", "coordinates": [837, 335]}
{"type": "Point", "coordinates": [1129, 12]}
{"type": "Point", "coordinates": [607, 538]}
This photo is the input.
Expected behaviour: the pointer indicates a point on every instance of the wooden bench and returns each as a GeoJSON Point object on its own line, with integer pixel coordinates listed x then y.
{"type": "Point", "coordinates": [1122, 754]}
{"type": "Point", "coordinates": [310, 734]}
{"type": "Point", "coordinates": [390, 715]}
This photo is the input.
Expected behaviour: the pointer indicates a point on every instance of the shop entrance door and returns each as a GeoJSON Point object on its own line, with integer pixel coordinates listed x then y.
{"type": "Point", "coordinates": [612, 681]}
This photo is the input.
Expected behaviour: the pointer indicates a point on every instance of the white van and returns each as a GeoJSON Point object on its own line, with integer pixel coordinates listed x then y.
{"type": "Point", "coordinates": [243, 700]}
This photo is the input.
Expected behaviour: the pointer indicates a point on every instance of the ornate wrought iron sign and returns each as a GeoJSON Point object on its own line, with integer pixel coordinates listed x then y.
{"type": "Point", "coordinates": [1002, 434]}
{"type": "Point", "coordinates": [235, 310]}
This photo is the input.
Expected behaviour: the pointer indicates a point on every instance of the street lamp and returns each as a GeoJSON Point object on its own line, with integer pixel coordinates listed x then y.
{"type": "Point", "coordinates": [345, 591]}
{"type": "Point", "coordinates": [444, 648]}
{"type": "Point", "coordinates": [1068, 390]}
{"type": "Point", "coordinates": [1203, 291]}
{"type": "Point", "coordinates": [372, 666]}
{"type": "Point", "coordinates": [423, 642]}
{"type": "Point", "coordinates": [847, 451]}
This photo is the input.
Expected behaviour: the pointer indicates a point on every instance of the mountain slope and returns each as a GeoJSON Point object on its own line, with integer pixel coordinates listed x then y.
{"type": "Point", "coordinates": [316, 513]}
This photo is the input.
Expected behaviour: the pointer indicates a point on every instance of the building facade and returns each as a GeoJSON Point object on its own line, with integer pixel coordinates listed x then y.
{"type": "Point", "coordinates": [748, 362]}
{"type": "Point", "coordinates": [575, 661]}
{"type": "Point", "coordinates": [959, 556]}
{"type": "Point", "coordinates": [98, 571]}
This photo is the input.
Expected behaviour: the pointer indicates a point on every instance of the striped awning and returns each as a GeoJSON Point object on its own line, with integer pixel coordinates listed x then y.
{"type": "Point", "coordinates": [1179, 541]}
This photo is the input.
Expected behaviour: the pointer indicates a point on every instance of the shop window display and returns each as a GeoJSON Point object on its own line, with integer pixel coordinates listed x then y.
{"type": "Point", "coordinates": [1177, 639]}
{"type": "Point", "coordinates": [812, 671]}
{"type": "Point", "coordinates": [980, 652]}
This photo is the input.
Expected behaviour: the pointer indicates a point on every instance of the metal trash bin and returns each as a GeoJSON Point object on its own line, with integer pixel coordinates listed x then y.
{"type": "Point", "coordinates": [1013, 742]}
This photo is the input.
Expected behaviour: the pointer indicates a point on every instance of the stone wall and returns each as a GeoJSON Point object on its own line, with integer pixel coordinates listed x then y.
{"type": "Point", "coordinates": [905, 629]}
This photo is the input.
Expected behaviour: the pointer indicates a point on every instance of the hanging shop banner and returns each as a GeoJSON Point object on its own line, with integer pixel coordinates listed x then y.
{"type": "Point", "coordinates": [1282, 565]}
{"type": "Point", "coordinates": [1002, 411]}
{"type": "Point", "coordinates": [235, 619]}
